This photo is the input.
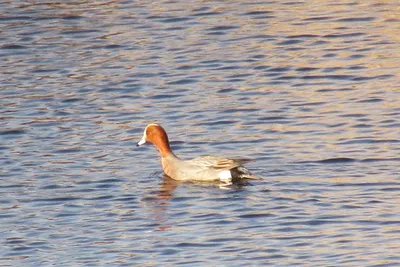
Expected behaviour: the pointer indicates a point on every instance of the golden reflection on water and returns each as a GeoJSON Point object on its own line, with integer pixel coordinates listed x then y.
{"type": "Point", "coordinates": [299, 83]}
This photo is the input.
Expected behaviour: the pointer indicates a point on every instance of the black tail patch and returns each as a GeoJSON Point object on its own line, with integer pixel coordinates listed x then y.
{"type": "Point", "coordinates": [239, 175]}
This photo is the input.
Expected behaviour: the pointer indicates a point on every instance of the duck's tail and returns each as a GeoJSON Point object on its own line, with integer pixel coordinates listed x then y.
{"type": "Point", "coordinates": [241, 174]}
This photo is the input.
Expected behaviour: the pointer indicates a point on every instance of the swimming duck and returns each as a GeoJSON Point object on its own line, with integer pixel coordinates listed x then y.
{"type": "Point", "coordinates": [204, 168]}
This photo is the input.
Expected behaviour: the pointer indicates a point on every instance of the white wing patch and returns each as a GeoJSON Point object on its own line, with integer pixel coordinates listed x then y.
{"type": "Point", "coordinates": [225, 176]}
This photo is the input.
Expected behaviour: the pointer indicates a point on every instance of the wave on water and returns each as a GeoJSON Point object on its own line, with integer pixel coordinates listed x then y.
{"type": "Point", "coordinates": [348, 160]}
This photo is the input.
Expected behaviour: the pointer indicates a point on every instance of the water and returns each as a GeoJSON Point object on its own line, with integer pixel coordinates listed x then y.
{"type": "Point", "coordinates": [308, 89]}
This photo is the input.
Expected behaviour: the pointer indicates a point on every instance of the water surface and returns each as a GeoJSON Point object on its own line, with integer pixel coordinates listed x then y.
{"type": "Point", "coordinates": [308, 89]}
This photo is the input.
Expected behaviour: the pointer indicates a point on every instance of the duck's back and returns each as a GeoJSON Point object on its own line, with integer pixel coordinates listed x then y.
{"type": "Point", "coordinates": [205, 168]}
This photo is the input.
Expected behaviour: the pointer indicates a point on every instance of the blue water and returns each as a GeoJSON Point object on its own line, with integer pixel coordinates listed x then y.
{"type": "Point", "coordinates": [310, 90]}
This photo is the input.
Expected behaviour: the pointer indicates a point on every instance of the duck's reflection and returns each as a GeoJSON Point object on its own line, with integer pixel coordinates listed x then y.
{"type": "Point", "coordinates": [158, 202]}
{"type": "Point", "coordinates": [167, 187]}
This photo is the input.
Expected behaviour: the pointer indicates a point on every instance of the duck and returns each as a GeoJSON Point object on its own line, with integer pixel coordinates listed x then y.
{"type": "Point", "coordinates": [201, 169]}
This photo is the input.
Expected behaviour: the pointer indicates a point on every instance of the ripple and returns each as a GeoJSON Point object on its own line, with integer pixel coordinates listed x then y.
{"type": "Point", "coordinates": [13, 46]}
{"type": "Point", "coordinates": [319, 18]}
{"type": "Point", "coordinates": [16, 131]}
{"type": "Point", "coordinates": [257, 12]}
{"type": "Point", "coordinates": [222, 28]}
{"type": "Point", "coordinates": [333, 77]}
{"type": "Point", "coordinates": [165, 96]}
{"type": "Point", "coordinates": [204, 14]}
{"type": "Point", "coordinates": [336, 160]}
{"type": "Point", "coordinates": [290, 42]}
{"type": "Point", "coordinates": [343, 35]}
{"type": "Point", "coordinates": [226, 91]}
{"type": "Point", "coordinates": [256, 215]}
{"type": "Point", "coordinates": [183, 82]}
{"type": "Point", "coordinates": [311, 94]}
{"type": "Point", "coordinates": [175, 20]}
{"type": "Point", "coordinates": [107, 181]}
{"type": "Point", "coordinates": [74, 32]}
{"type": "Point", "coordinates": [369, 141]}
{"type": "Point", "coordinates": [49, 201]}
{"type": "Point", "coordinates": [359, 19]}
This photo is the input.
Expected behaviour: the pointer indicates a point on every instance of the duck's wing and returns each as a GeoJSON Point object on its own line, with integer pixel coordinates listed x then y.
{"type": "Point", "coordinates": [218, 163]}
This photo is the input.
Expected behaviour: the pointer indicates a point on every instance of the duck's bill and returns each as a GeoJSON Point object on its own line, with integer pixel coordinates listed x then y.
{"type": "Point", "coordinates": [141, 142]}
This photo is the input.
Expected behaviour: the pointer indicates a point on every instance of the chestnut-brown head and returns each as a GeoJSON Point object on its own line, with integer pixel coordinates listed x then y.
{"type": "Point", "coordinates": [156, 135]}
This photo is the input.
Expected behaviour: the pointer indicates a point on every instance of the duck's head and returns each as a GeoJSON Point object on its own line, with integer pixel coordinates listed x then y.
{"type": "Point", "coordinates": [156, 135]}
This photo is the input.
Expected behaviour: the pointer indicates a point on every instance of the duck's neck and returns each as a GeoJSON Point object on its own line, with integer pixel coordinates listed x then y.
{"type": "Point", "coordinates": [163, 147]}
